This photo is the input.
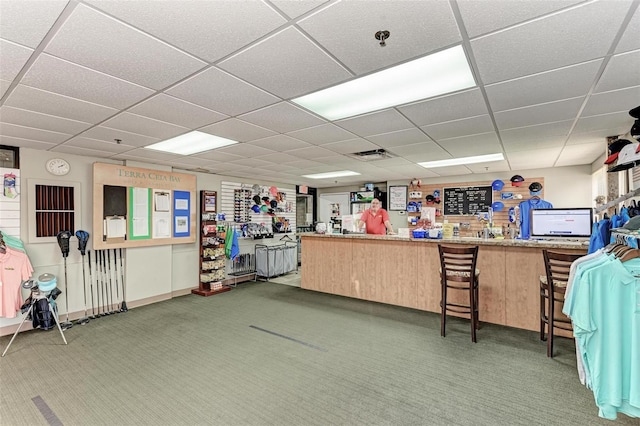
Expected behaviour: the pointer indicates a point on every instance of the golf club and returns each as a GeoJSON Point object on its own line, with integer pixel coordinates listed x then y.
{"type": "Point", "coordinates": [63, 242]}
{"type": "Point", "coordinates": [111, 309]}
{"type": "Point", "coordinates": [115, 278]}
{"type": "Point", "coordinates": [93, 310]}
{"type": "Point", "coordinates": [123, 306]}
{"type": "Point", "coordinates": [103, 281]}
{"type": "Point", "coordinates": [83, 237]}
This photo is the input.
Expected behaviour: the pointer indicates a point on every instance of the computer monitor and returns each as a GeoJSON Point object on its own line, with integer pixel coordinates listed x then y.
{"type": "Point", "coordinates": [562, 223]}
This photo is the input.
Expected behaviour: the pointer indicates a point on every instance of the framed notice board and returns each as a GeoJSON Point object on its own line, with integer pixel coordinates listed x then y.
{"type": "Point", "coordinates": [467, 200]}
{"type": "Point", "coordinates": [398, 198]}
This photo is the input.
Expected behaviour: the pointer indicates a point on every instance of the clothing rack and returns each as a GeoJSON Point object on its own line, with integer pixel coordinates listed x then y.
{"type": "Point", "coordinates": [618, 200]}
{"type": "Point", "coordinates": [627, 238]}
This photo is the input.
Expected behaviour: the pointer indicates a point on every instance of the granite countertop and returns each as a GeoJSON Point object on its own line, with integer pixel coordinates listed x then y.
{"type": "Point", "coordinates": [550, 244]}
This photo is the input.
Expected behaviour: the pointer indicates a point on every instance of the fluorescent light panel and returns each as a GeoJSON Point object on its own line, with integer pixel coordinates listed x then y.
{"type": "Point", "coordinates": [443, 72]}
{"type": "Point", "coordinates": [191, 143]}
{"type": "Point", "coordinates": [463, 160]}
{"type": "Point", "coordinates": [328, 175]}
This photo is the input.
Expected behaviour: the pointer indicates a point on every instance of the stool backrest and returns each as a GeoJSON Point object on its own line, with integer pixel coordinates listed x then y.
{"type": "Point", "coordinates": [458, 263]}
{"type": "Point", "coordinates": [557, 266]}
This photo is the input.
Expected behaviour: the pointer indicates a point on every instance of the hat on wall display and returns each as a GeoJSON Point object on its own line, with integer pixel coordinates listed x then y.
{"type": "Point", "coordinates": [535, 188]}
{"type": "Point", "coordinates": [497, 185]}
{"type": "Point", "coordinates": [516, 180]}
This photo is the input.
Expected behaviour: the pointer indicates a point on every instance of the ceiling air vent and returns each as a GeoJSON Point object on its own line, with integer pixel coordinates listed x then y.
{"type": "Point", "coordinates": [372, 155]}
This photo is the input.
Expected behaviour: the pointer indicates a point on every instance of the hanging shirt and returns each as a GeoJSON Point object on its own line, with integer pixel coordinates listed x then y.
{"type": "Point", "coordinates": [14, 268]}
{"type": "Point", "coordinates": [525, 208]}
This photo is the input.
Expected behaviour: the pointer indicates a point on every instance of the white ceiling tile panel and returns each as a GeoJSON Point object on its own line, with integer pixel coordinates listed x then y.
{"type": "Point", "coordinates": [615, 123]}
{"type": "Point", "coordinates": [375, 123]}
{"type": "Point", "coordinates": [282, 117]}
{"type": "Point", "coordinates": [127, 138]}
{"type": "Point", "coordinates": [538, 114]}
{"type": "Point", "coordinates": [451, 171]}
{"type": "Point", "coordinates": [622, 71]}
{"type": "Point", "coordinates": [278, 158]}
{"type": "Point", "coordinates": [245, 150]}
{"type": "Point", "coordinates": [150, 153]}
{"type": "Point", "coordinates": [410, 171]}
{"type": "Point", "coordinates": [469, 103]}
{"type": "Point", "coordinates": [41, 121]}
{"type": "Point", "coordinates": [173, 110]}
{"type": "Point", "coordinates": [219, 91]}
{"type": "Point", "coordinates": [27, 22]}
{"type": "Point", "coordinates": [311, 153]}
{"type": "Point", "coordinates": [548, 86]}
{"type": "Point", "coordinates": [88, 37]}
{"type": "Point", "coordinates": [465, 126]}
{"type": "Point", "coordinates": [303, 165]}
{"type": "Point", "coordinates": [554, 41]}
{"type": "Point", "coordinates": [4, 86]}
{"type": "Point", "coordinates": [290, 65]}
{"type": "Point", "coordinates": [416, 27]}
{"type": "Point", "coordinates": [486, 143]}
{"type": "Point", "coordinates": [30, 98]}
{"type": "Point", "coordinates": [237, 130]}
{"type": "Point", "coordinates": [76, 150]}
{"type": "Point", "coordinates": [13, 57]}
{"type": "Point", "coordinates": [492, 166]}
{"type": "Point", "coordinates": [325, 133]}
{"type": "Point", "coordinates": [23, 132]}
{"type": "Point", "coordinates": [540, 142]}
{"type": "Point", "coordinates": [425, 151]}
{"type": "Point", "coordinates": [350, 146]}
{"type": "Point", "coordinates": [630, 39]}
{"type": "Point", "coordinates": [402, 137]}
{"type": "Point", "coordinates": [62, 77]}
{"type": "Point", "coordinates": [219, 156]}
{"type": "Point", "coordinates": [251, 162]}
{"type": "Point", "coordinates": [532, 134]}
{"type": "Point", "coordinates": [97, 145]}
{"type": "Point", "coordinates": [24, 143]}
{"type": "Point", "coordinates": [580, 154]}
{"type": "Point", "coordinates": [387, 162]}
{"type": "Point", "coordinates": [280, 143]}
{"type": "Point", "coordinates": [207, 29]}
{"type": "Point", "coordinates": [144, 126]}
{"type": "Point", "coordinates": [616, 100]}
{"type": "Point", "coordinates": [293, 9]}
{"type": "Point", "coordinates": [539, 158]}
{"type": "Point", "coordinates": [481, 17]}
{"type": "Point", "coordinates": [590, 137]}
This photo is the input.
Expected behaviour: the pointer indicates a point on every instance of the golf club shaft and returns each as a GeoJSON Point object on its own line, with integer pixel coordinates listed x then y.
{"type": "Point", "coordinates": [84, 287]}
{"type": "Point", "coordinates": [110, 282]}
{"type": "Point", "coordinates": [115, 278]}
{"type": "Point", "coordinates": [93, 311]}
{"type": "Point", "coordinates": [123, 305]}
{"type": "Point", "coordinates": [66, 293]}
{"type": "Point", "coordinates": [102, 285]}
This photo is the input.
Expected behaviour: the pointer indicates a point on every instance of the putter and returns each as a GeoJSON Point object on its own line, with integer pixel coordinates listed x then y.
{"type": "Point", "coordinates": [83, 237]}
{"type": "Point", "coordinates": [115, 278]}
{"type": "Point", "coordinates": [103, 283]}
{"type": "Point", "coordinates": [123, 305]}
{"type": "Point", "coordinates": [113, 311]}
{"type": "Point", "coordinates": [63, 242]}
{"type": "Point", "coordinates": [93, 310]}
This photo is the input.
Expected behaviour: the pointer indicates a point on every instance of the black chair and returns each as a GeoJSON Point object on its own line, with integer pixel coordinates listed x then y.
{"type": "Point", "coordinates": [553, 286]}
{"type": "Point", "coordinates": [458, 272]}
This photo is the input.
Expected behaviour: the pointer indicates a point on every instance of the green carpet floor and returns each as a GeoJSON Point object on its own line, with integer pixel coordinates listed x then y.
{"type": "Point", "coordinates": [272, 354]}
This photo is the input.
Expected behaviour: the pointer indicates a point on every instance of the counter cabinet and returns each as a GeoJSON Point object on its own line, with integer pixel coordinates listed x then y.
{"type": "Point", "coordinates": [405, 272]}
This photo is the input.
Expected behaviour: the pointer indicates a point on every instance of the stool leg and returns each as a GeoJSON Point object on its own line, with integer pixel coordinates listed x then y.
{"type": "Point", "coordinates": [477, 294]}
{"type": "Point", "coordinates": [472, 310]}
{"type": "Point", "coordinates": [550, 323]}
{"type": "Point", "coordinates": [443, 308]}
{"type": "Point", "coordinates": [542, 311]}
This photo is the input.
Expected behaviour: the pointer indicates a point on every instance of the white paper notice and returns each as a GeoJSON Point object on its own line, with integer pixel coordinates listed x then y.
{"type": "Point", "coordinates": [182, 204]}
{"type": "Point", "coordinates": [182, 224]}
{"type": "Point", "coordinates": [140, 212]}
{"type": "Point", "coordinates": [162, 200]}
{"type": "Point", "coordinates": [116, 227]}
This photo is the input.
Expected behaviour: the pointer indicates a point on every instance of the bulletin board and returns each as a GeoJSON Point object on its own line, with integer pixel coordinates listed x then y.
{"type": "Point", "coordinates": [135, 207]}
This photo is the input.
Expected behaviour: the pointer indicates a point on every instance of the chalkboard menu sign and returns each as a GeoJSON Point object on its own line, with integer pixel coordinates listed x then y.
{"type": "Point", "coordinates": [467, 200]}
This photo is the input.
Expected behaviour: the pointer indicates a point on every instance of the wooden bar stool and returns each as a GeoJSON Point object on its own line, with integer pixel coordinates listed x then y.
{"type": "Point", "coordinates": [458, 272]}
{"type": "Point", "coordinates": [553, 286]}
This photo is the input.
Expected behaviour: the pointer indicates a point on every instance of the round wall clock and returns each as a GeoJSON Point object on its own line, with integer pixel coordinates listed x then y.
{"type": "Point", "coordinates": [58, 166]}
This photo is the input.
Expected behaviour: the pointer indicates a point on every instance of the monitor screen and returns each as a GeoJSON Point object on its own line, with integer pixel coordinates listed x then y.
{"type": "Point", "coordinates": [561, 223]}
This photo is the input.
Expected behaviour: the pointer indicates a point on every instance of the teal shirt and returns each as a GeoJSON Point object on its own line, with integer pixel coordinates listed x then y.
{"type": "Point", "coordinates": [606, 321]}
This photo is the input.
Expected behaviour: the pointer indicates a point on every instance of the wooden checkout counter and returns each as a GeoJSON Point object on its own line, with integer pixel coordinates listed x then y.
{"type": "Point", "coordinates": [405, 272]}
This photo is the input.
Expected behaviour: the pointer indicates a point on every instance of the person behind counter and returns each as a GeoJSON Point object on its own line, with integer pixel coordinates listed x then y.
{"type": "Point", "coordinates": [376, 218]}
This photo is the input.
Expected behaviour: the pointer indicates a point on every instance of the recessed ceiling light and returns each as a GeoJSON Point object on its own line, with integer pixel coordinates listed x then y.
{"type": "Point", "coordinates": [443, 72]}
{"type": "Point", "coordinates": [463, 160]}
{"type": "Point", "coordinates": [191, 143]}
{"type": "Point", "coordinates": [328, 175]}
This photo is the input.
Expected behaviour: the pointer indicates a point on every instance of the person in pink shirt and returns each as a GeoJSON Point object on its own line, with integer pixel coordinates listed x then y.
{"type": "Point", "coordinates": [376, 219]}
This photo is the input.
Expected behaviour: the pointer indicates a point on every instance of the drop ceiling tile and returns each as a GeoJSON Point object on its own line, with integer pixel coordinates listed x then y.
{"type": "Point", "coordinates": [311, 153]}
{"type": "Point", "coordinates": [590, 137]}
{"type": "Point", "coordinates": [402, 137]}
{"type": "Point", "coordinates": [536, 159]}
{"type": "Point", "coordinates": [87, 152]}
{"type": "Point", "coordinates": [389, 162]}
{"type": "Point", "coordinates": [88, 37]}
{"type": "Point", "coordinates": [23, 132]}
{"type": "Point", "coordinates": [540, 142]}
{"type": "Point", "coordinates": [24, 143]}
{"type": "Point", "coordinates": [614, 101]}
{"type": "Point", "coordinates": [465, 104]}
{"type": "Point", "coordinates": [410, 171]}
{"type": "Point", "coordinates": [222, 92]}
{"type": "Point", "coordinates": [622, 71]}
{"type": "Point", "coordinates": [41, 121]}
{"type": "Point", "coordinates": [375, 123]}
{"type": "Point", "coordinates": [563, 83]}
{"type": "Point", "coordinates": [207, 29]}
{"type": "Point", "coordinates": [531, 135]}
{"type": "Point", "coordinates": [58, 76]}
{"type": "Point", "coordinates": [293, 9]}
{"type": "Point", "coordinates": [245, 150]}
{"type": "Point", "coordinates": [256, 163]}
{"type": "Point", "coordinates": [491, 166]}
{"type": "Point", "coordinates": [424, 151]}
{"type": "Point", "coordinates": [451, 171]}
{"type": "Point", "coordinates": [551, 42]}
{"type": "Point", "coordinates": [280, 143]}
{"type": "Point", "coordinates": [615, 124]}
{"type": "Point", "coordinates": [97, 145]}
{"type": "Point", "coordinates": [143, 154]}
{"type": "Point", "coordinates": [350, 146]}
{"type": "Point", "coordinates": [27, 22]}
{"type": "Point", "coordinates": [538, 114]}
{"type": "Point", "coordinates": [465, 126]}
{"type": "Point", "coordinates": [467, 146]}
{"type": "Point", "coordinates": [176, 111]}
{"type": "Point", "coordinates": [144, 126]}
{"type": "Point", "coordinates": [127, 138]}
{"type": "Point", "coordinates": [278, 158]}
{"type": "Point", "coordinates": [4, 86]}
{"type": "Point", "coordinates": [237, 130]}
{"type": "Point", "coordinates": [573, 155]}
{"type": "Point", "coordinates": [416, 27]}
{"type": "Point", "coordinates": [29, 98]}
{"type": "Point", "coordinates": [278, 167]}
{"type": "Point", "coordinates": [481, 17]}
{"type": "Point", "coordinates": [14, 57]}
{"type": "Point", "coordinates": [304, 165]}
{"type": "Point", "coordinates": [219, 156]}
{"type": "Point", "coordinates": [287, 75]}
{"type": "Point", "coordinates": [630, 40]}
{"type": "Point", "coordinates": [323, 134]}
{"type": "Point", "coordinates": [282, 117]}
